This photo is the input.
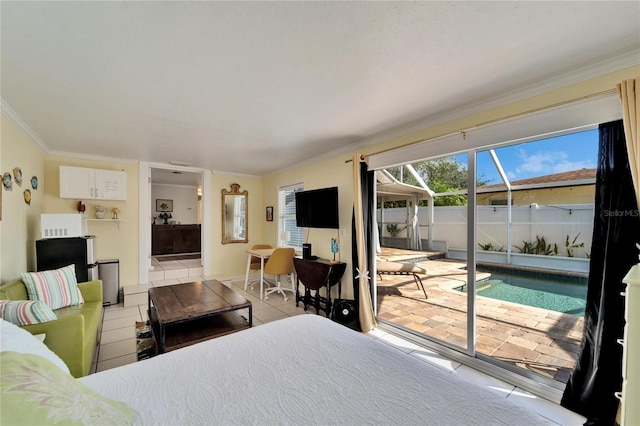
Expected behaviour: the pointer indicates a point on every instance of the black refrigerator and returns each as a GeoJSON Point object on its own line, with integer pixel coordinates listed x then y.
{"type": "Point", "coordinates": [54, 253]}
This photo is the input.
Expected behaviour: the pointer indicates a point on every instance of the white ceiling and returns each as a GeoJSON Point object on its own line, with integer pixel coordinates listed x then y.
{"type": "Point", "coordinates": [254, 87]}
{"type": "Point", "coordinates": [176, 177]}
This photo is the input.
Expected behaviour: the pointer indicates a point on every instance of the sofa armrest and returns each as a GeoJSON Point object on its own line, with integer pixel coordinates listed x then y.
{"type": "Point", "coordinates": [65, 337]}
{"type": "Point", "coordinates": [91, 291]}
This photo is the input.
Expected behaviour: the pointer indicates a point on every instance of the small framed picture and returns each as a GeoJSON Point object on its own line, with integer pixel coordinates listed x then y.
{"type": "Point", "coordinates": [269, 213]}
{"type": "Point", "coordinates": [164, 205]}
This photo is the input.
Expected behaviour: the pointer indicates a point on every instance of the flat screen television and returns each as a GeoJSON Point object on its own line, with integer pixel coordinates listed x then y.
{"type": "Point", "coordinates": [317, 208]}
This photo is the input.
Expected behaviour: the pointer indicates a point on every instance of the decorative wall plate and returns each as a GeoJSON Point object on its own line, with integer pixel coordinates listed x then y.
{"type": "Point", "coordinates": [27, 196]}
{"type": "Point", "coordinates": [17, 175]}
{"type": "Point", "coordinates": [7, 182]}
{"type": "Point", "coordinates": [34, 182]}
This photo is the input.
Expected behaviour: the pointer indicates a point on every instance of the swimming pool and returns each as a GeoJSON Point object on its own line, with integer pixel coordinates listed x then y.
{"type": "Point", "coordinates": [555, 293]}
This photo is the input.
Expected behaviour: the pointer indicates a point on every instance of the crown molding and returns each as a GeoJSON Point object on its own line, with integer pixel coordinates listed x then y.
{"type": "Point", "coordinates": [225, 173]}
{"type": "Point", "coordinates": [17, 121]}
{"type": "Point", "coordinates": [91, 157]}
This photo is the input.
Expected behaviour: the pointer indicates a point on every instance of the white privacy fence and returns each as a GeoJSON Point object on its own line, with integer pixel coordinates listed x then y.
{"type": "Point", "coordinates": [495, 230]}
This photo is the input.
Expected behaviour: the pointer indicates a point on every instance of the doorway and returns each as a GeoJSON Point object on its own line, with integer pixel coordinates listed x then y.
{"type": "Point", "coordinates": [183, 198]}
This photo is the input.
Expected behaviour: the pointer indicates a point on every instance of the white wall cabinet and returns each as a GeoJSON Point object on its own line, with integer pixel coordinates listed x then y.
{"type": "Point", "coordinates": [92, 184]}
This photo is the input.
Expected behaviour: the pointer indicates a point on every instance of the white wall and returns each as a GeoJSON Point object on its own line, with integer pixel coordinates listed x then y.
{"type": "Point", "coordinates": [553, 223]}
{"type": "Point", "coordinates": [185, 201]}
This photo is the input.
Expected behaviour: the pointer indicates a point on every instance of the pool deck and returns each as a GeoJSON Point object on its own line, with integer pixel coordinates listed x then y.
{"type": "Point", "coordinates": [536, 339]}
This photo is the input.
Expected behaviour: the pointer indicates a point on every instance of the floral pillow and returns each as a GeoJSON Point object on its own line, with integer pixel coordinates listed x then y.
{"type": "Point", "coordinates": [26, 312]}
{"type": "Point", "coordinates": [57, 288]}
{"type": "Point", "coordinates": [17, 339]}
{"type": "Point", "coordinates": [34, 392]}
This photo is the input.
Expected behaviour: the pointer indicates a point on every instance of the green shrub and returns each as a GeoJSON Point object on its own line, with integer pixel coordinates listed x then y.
{"type": "Point", "coordinates": [570, 246]}
{"type": "Point", "coordinates": [490, 247]}
{"type": "Point", "coordinates": [540, 246]}
{"type": "Point", "coordinates": [394, 229]}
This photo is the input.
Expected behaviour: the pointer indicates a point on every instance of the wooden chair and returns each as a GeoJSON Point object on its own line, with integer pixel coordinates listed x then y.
{"type": "Point", "coordinates": [280, 264]}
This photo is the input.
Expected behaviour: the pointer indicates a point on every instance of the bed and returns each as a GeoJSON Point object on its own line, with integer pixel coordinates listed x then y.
{"type": "Point", "coordinates": [300, 370]}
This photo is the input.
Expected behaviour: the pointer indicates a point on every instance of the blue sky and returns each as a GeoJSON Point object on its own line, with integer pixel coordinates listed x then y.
{"type": "Point", "coordinates": [539, 158]}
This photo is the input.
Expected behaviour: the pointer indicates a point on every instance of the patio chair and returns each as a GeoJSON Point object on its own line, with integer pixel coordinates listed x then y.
{"type": "Point", "coordinates": [402, 268]}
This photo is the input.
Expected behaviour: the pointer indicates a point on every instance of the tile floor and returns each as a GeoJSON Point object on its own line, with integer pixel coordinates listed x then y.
{"type": "Point", "coordinates": [542, 341]}
{"type": "Point", "coordinates": [170, 269]}
{"type": "Point", "coordinates": [118, 345]}
{"type": "Point", "coordinates": [535, 339]}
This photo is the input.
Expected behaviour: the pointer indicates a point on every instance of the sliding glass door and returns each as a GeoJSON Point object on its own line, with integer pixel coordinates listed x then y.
{"type": "Point", "coordinates": [505, 223]}
{"type": "Point", "coordinates": [534, 224]}
{"type": "Point", "coordinates": [423, 222]}
{"type": "Point", "coordinates": [504, 236]}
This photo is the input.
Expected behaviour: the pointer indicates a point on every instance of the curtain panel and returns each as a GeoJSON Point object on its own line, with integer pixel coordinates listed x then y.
{"type": "Point", "coordinates": [362, 201]}
{"type": "Point", "coordinates": [616, 229]}
{"type": "Point", "coordinates": [629, 93]}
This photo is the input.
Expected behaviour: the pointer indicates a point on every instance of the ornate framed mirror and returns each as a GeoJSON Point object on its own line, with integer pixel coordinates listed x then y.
{"type": "Point", "coordinates": [235, 221]}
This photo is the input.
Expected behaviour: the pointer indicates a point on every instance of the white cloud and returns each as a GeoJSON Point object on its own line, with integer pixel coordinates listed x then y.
{"type": "Point", "coordinates": [546, 162]}
{"type": "Point", "coordinates": [538, 163]}
{"type": "Point", "coordinates": [565, 166]}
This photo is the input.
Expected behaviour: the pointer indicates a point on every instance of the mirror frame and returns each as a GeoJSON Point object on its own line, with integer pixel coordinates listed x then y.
{"type": "Point", "coordinates": [235, 190]}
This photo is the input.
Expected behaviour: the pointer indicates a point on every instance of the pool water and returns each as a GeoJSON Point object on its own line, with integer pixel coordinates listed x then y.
{"type": "Point", "coordinates": [560, 294]}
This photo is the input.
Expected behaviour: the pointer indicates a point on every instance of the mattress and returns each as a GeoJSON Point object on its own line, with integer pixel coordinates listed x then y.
{"type": "Point", "coordinates": [301, 370]}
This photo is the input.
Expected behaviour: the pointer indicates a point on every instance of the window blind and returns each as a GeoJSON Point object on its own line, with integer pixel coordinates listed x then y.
{"type": "Point", "coordinates": [290, 234]}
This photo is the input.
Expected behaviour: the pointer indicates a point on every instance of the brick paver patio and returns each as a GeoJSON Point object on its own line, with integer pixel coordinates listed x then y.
{"type": "Point", "coordinates": [539, 340]}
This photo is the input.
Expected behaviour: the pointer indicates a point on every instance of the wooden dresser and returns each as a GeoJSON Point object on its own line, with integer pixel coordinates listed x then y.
{"type": "Point", "coordinates": [630, 394]}
{"type": "Point", "coordinates": [173, 239]}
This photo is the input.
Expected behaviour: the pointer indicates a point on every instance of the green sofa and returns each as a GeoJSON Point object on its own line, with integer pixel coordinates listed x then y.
{"type": "Point", "coordinates": [75, 335]}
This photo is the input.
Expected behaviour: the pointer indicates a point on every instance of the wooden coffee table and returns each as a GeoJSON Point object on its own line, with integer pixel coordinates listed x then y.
{"type": "Point", "coordinates": [183, 314]}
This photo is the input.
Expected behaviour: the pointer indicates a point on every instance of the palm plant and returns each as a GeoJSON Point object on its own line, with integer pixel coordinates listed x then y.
{"type": "Point", "coordinates": [570, 246]}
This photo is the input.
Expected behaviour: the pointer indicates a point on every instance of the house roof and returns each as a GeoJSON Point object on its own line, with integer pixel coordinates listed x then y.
{"type": "Point", "coordinates": [256, 87]}
{"type": "Point", "coordinates": [569, 178]}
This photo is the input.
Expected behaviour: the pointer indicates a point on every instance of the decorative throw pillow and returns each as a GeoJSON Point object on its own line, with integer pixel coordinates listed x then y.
{"type": "Point", "coordinates": [16, 339]}
{"type": "Point", "coordinates": [26, 312]}
{"type": "Point", "coordinates": [57, 288]}
{"type": "Point", "coordinates": [34, 392]}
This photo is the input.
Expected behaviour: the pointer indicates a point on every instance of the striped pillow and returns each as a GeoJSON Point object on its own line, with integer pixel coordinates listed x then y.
{"type": "Point", "coordinates": [57, 288]}
{"type": "Point", "coordinates": [26, 312]}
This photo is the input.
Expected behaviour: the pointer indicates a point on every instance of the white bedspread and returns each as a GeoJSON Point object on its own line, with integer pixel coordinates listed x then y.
{"type": "Point", "coordinates": [301, 370]}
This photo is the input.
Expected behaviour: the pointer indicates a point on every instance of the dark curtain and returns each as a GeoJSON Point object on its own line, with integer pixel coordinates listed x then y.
{"type": "Point", "coordinates": [367, 181]}
{"type": "Point", "coordinates": [616, 229]}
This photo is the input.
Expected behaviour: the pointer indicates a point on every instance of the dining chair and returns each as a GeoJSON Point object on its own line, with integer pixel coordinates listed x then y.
{"type": "Point", "coordinates": [256, 264]}
{"type": "Point", "coordinates": [280, 264]}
